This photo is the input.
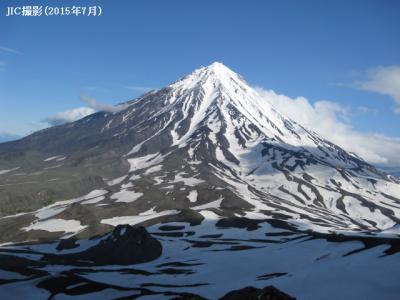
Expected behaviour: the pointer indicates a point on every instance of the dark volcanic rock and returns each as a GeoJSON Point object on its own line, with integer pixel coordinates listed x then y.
{"type": "Point", "coordinates": [239, 222]}
{"type": "Point", "coordinates": [67, 244]}
{"type": "Point", "coordinates": [125, 245]}
{"type": "Point", "coordinates": [187, 296]}
{"type": "Point", "coordinates": [171, 227]}
{"type": "Point", "coordinates": [251, 293]}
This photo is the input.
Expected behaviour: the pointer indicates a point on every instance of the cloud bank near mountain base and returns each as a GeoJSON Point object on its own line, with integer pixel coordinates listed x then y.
{"type": "Point", "coordinates": [330, 120]}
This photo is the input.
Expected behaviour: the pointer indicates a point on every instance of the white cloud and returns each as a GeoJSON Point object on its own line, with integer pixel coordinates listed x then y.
{"type": "Point", "coordinates": [330, 120]}
{"type": "Point", "coordinates": [141, 89]}
{"type": "Point", "coordinates": [92, 103]}
{"type": "Point", "coordinates": [69, 115]}
{"type": "Point", "coordinates": [10, 50]}
{"type": "Point", "coordinates": [80, 112]}
{"type": "Point", "coordinates": [383, 80]}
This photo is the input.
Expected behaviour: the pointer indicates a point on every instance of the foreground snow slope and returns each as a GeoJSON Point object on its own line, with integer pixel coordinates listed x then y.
{"type": "Point", "coordinates": [211, 259]}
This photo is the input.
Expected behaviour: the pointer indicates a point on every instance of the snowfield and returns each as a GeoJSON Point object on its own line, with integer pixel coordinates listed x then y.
{"type": "Point", "coordinates": [210, 261]}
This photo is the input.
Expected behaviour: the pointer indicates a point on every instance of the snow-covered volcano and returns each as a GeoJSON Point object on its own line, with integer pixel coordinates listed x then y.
{"type": "Point", "coordinates": [206, 142]}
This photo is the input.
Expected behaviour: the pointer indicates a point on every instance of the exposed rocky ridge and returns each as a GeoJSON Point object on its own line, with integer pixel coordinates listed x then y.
{"type": "Point", "coordinates": [125, 245]}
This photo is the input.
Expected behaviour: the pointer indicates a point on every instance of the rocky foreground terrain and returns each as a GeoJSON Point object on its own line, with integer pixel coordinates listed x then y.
{"type": "Point", "coordinates": [208, 260]}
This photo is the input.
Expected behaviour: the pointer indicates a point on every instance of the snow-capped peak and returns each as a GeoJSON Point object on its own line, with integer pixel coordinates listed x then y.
{"type": "Point", "coordinates": [216, 69]}
{"type": "Point", "coordinates": [218, 89]}
{"type": "Point", "coordinates": [217, 66]}
{"type": "Point", "coordinates": [216, 74]}
{"type": "Point", "coordinates": [210, 139]}
{"type": "Point", "coordinates": [219, 70]}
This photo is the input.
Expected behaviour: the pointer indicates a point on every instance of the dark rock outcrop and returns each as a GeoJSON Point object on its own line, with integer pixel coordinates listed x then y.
{"type": "Point", "coordinates": [239, 222]}
{"type": "Point", "coordinates": [67, 244]}
{"type": "Point", "coordinates": [252, 293]}
{"type": "Point", "coordinates": [125, 245]}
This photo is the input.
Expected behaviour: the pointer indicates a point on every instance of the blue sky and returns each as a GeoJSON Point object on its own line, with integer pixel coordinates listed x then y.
{"type": "Point", "coordinates": [321, 50]}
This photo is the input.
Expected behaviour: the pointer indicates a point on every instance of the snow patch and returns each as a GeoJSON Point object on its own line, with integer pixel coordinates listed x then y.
{"type": "Point", "coordinates": [192, 196]}
{"type": "Point", "coordinates": [213, 204]}
{"type": "Point", "coordinates": [126, 196]}
{"type": "Point", "coordinates": [8, 171]}
{"type": "Point", "coordinates": [144, 162]}
{"type": "Point", "coordinates": [56, 225]}
{"type": "Point", "coordinates": [153, 169]}
{"type": "Point", "coordinates": [54, 158]}
{"type": "Point", "coordinates": [94, 200]}
{"type": "Point", "coordinates": [133, 220]}
{"type": "Point", "coordinates": [116, 180]}
{"type": "Point", "coordinates": [189, 181]}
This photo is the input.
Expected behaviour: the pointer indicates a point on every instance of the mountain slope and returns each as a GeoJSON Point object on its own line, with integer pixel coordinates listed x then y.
{"type": "Point", "coordinates": [205, 142]}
